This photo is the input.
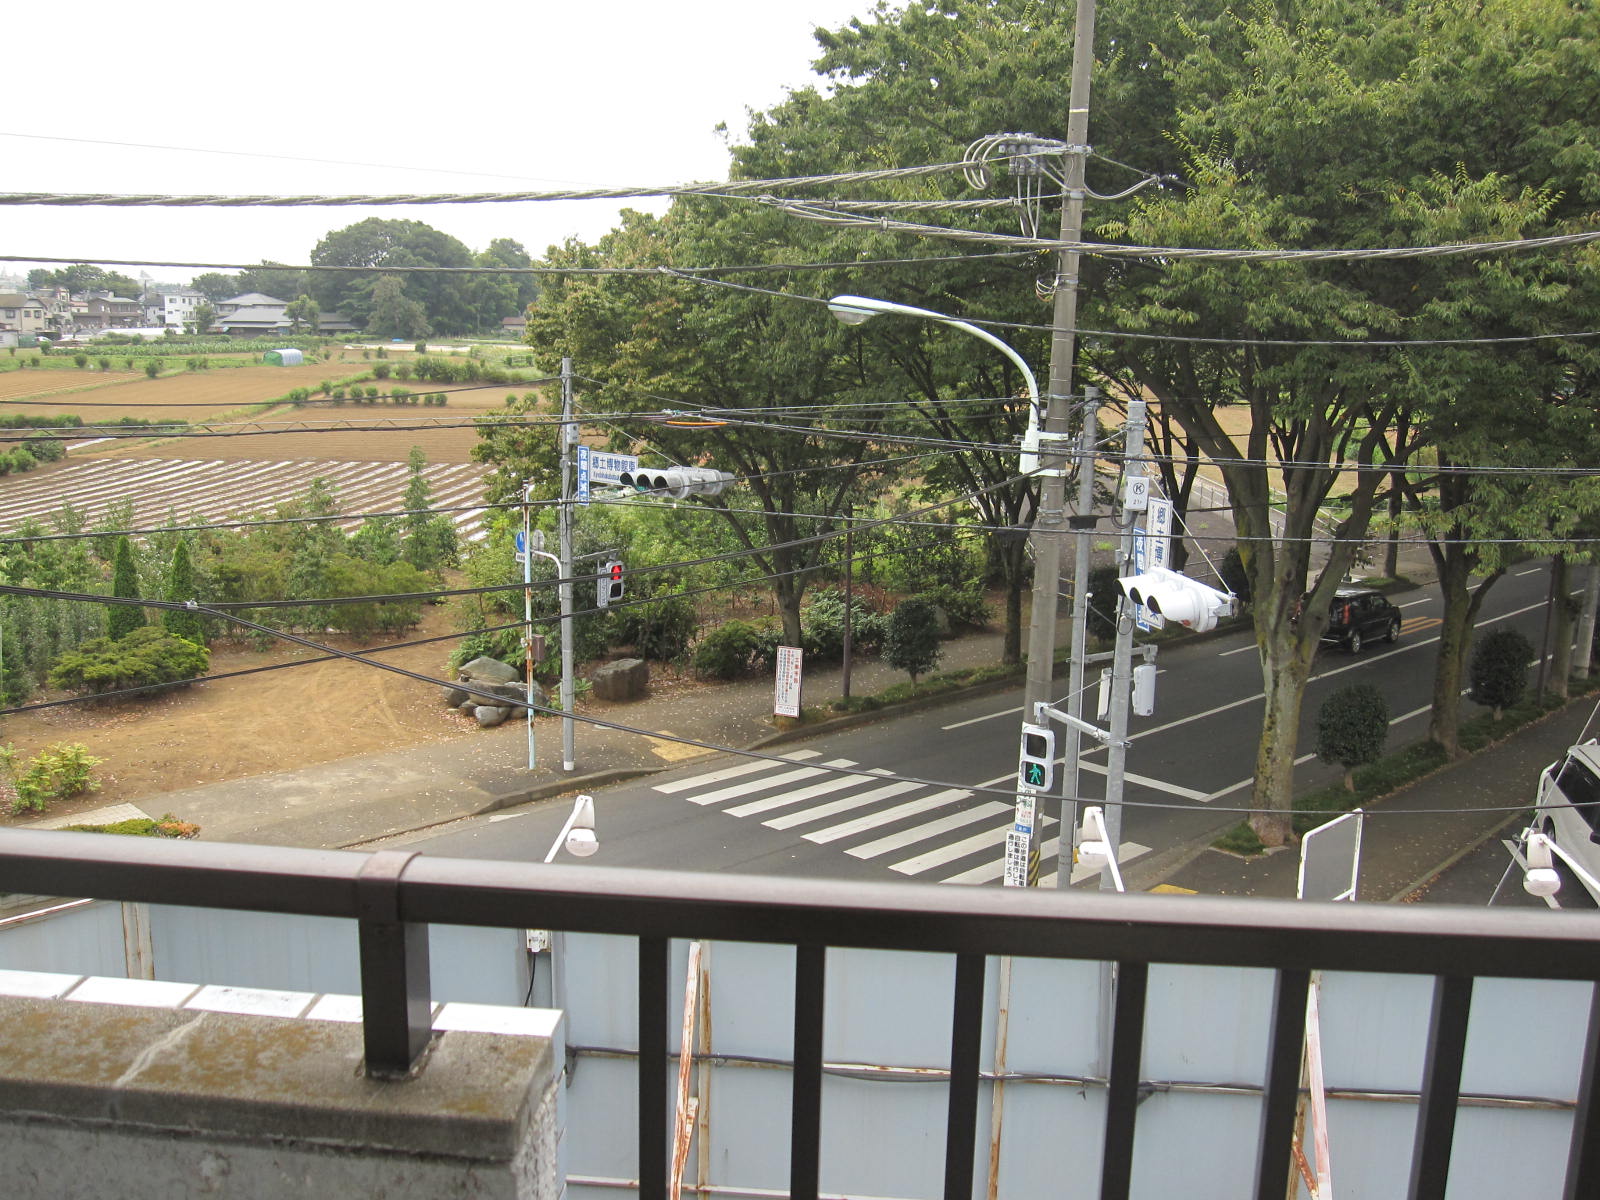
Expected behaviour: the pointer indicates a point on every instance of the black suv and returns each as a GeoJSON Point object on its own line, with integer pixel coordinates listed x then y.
{"type": "Point", "coordinates": [1360, 614]}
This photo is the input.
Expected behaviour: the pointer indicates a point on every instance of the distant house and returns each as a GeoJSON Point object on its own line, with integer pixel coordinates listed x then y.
{"type": "Point", "coordinates": [103, 311]}
{"type": "Point", "coordinates": [334, 322]}
{"type": "Point", "coordinates": [514, 327]}
{"type": "Point", "coordinates": [178, 308]}
{"type": "Point", "coordinates": [22, 314]}
{"type": "Point", "coordinates": [249, 300]}
{"type": "Point", "coordinates": [255, 320]}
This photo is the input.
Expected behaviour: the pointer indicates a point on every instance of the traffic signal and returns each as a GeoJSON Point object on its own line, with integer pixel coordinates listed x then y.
{"type": "Point", "coordinates": [608, 588]}
{"type": "Point", "coordinates": [1036, 763]}
{"type": "Point", "coordinates": [1177, 598]}
{"type": "Point", "coordinates": [677, 482]}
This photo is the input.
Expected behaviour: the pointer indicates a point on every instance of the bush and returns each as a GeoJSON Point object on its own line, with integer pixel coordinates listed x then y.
{"type": "Point", "coordinates": [58, 773]}
{"type": "Point", "coordinates": [823, 621]}
{"type": "Point", "coordinates": [1234, 577]}
{"type": "Point", "coordinates": [1352, 727]}
{"type": "Point", "coordinates": [963, 604]}
{"type": "Point", "coordinates": [1103, 597]}
{"type": "Point", "coordinates": [152, 368]}
{"type": "Point", "coordinates": [380, 370]}
{"type": "Point", "coordinates": [911, 642]}
{"type": "Point", "coordinates": [660, 629]}
{"type": "Point", "coordinates": [732, 649]}
{"type": "Point", "coordinates": [149, 655]}
{"type": "Point", "coordinates": [503, 644]}
{"type": "Point", "coordinates": [1499, 669]}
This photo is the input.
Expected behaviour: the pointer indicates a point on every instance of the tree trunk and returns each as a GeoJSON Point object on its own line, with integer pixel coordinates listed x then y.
{"type": "Point", "coordinates": [1286, 665]}
{"type": "Point", "coordinates": [1583, 665]}
{"type": "Point", "coordinates": [1449, 667]}
{"type": "Point", "coordinates": [1561, 662]}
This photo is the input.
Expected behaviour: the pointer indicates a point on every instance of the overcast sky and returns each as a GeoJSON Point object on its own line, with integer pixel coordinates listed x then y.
{"type": "Point", "coordinates": [486, 96]}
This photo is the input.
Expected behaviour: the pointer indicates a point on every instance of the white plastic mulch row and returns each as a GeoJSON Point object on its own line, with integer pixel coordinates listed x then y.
{"type": "Point", "coordinates": [187, 491]}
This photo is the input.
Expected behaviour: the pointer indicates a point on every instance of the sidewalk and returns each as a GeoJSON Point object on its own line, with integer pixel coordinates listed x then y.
{"type": "Point", "coordinates": [1410, 836]}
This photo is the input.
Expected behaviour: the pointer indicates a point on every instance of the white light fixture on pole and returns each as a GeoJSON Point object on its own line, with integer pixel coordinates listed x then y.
{"type": "Point", "coordinates": [578, 834]}
{"type": "Point", "coordinates": [1024, 834]}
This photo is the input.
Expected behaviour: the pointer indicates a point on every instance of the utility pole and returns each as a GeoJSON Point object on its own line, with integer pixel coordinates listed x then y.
{"type": "Point", "coordinates": [1083, 523]}
{"type": "Point", "coordinates": [1122, 657]}
{"type": "Point", "coordinates": [569, 438]}
{"type": "Point", "coordinates": [1048, 522]}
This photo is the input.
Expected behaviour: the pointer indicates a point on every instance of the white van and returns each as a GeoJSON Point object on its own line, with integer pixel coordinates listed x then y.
{"type": "Point", "coordinates": [1569, 809]}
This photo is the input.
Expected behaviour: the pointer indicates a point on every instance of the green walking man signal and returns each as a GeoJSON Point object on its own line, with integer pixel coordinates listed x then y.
{"type": "Point", "coordinates": [1036, 765]}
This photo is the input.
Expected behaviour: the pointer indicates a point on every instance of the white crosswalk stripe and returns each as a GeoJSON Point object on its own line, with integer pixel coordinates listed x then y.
{"type": "Point", "coordinates": [944, 834]}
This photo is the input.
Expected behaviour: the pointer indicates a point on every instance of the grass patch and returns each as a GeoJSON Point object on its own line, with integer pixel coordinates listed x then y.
{"type": "Point", "coordinates": [939, 684]}
{"type": "Point", "coordinates": [167, 827]}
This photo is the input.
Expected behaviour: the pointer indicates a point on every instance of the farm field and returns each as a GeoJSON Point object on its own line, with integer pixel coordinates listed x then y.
{"type": "Point", "coordinates": [192, 395]}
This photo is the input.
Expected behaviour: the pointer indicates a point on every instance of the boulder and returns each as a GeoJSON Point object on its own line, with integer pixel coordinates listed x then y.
{"type": "Point", "coordinates": [487, 670]}
{"type": "Point", "coordinates": [489, 716]}
{"type": "Point", "coordinates": [454, 697]}
{"type": "Point", "coordinates": [625, 679]}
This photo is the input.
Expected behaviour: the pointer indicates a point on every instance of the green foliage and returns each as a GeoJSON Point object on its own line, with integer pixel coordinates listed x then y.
{"type": "Point", "coordinates": [662, 629]}
{"type": "Point", "coordinates": [60, 772]}
{"type": "Point", "coordinates": [963, 603]}
{"type": "Point", "coordinates": [1103, 599]}
{"type": "Point", "coordinates": [152, 368]}
{"type": "Point", "coordinates": [503, 644]}
{"type": "Point", "coordinates": [1499, 670]}
{"type": "Point", "coordinates": [180, 590]}
{"type": "Point", "coordinates": [1234, 577]}
{"type": "Point", "coordinates": [147, 656]}
{"type": "Point", "coordinates": [1352, 727]}
{"type": "Point", "coordinates": [123, 619]}
{"type": "Point", "coordinates": [730, 651]}
{"type": "Point", "coordinates": [911, 641]}
{"type": "Point", "coordinates": [824, 625]}
{"type": "Point", "coordinates": [167, 826]}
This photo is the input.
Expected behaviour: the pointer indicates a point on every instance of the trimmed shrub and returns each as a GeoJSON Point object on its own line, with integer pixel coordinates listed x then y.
{"type": "Point", "coordinates": [963, 604]}
{"type": "Point", "coordinates": [660, 629]}
{"type": "Point", "coordinates": [1352, 727]}
{"type": "Point", "coordinates": [152, 368]}
{"type": "Point", "coordinates": [149, 655]}
{"type": "Point", "coordinates": [64, 770]}
{"type": "Point", "coordinates": [911, 642]}
{"type": "Point", "coordinates": [1498, 673]}
{"type": "Point", "coordinates": [823, 621]}
{"type": "Point", "coordinates": [732, 649]}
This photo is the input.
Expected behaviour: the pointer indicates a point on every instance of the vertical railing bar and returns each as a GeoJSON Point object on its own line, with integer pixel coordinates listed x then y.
{"type": "Point", "coordinates": [1441, 1087]}
{"type": "Point", "coordinates": [1279, 1099]}
{"type": "Point", "coordinates": [805, 1113]}
{"type": "Point", "coordinates": [1583, 1154]}
{"type": "Point", "coordinates": [396, 1001]}
{"type": "Point", "coordinates": [966, 1043]}
{"type": "Point", "coordinates": [653, 1068]}
{"type": "Point", "coordinates": [1122, 1091]}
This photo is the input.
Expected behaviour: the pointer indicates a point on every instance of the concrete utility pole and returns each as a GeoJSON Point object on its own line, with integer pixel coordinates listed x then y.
{"type": "Point", "coordinates": [1122, 656]}
{"type": "Point", "coordinates": [569, 439]}
{"type": "Point", "coordinates": [1048, 522]}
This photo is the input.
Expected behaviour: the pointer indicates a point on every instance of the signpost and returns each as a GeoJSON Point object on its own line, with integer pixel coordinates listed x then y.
{"type": "Point", "coordinates": [787, 700]}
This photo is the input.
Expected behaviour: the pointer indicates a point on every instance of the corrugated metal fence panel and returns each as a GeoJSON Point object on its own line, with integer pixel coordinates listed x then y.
{"type": "Point", "coordinates": [82, 940]}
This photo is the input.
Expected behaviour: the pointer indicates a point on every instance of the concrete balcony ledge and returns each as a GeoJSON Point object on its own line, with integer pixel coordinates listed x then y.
{"type": "Point", "coordinates": [136, 1088]}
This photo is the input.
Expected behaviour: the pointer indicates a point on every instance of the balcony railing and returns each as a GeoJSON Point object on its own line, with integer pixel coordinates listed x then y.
{"type": "Point", "coordinates": [395, 895]}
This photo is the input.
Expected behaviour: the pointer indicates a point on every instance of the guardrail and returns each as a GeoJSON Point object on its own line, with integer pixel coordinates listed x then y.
{"type": "Point", "coordinates": [395, 895]}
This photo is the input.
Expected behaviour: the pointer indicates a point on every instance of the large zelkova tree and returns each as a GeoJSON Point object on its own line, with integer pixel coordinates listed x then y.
{"type": "Point", "coordinates": [394, 314]}
{"type": "Point", "coordinates": [496, 296]}
{"type": "Point", "coordinates": [646, 344]}
{"type": "Point", "coordinates": [269, 279]}
{"type": "Point", "coordinates": [381, 243]}
{"type": "Point", "coordinates": [1310, 124]}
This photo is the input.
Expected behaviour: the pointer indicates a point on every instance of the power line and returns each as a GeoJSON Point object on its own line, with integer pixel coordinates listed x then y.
{"type": "Point", "coordinates": [730, 189]}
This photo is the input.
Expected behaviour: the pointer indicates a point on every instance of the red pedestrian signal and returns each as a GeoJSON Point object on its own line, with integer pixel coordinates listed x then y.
{"type": "Point", "coordinates": [608, 588]}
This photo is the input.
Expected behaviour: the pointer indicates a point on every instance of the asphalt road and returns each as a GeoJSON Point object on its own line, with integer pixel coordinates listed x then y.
{"type": "Point", "coordinates": [1189, 771]}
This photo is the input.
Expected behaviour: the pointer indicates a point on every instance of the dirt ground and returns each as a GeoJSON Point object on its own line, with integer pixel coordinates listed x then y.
{"type": "Point", "coordinates": [265, 722]}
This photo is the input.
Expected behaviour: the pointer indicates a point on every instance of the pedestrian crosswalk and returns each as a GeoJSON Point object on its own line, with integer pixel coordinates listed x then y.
{"type": "Point", "coordinates": [922, 830]}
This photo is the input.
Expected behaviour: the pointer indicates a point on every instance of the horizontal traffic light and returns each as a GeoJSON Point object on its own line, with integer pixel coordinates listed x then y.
{"type": "Point", "coordinates": [1176, 597]}
{"type": "Point", "coordinates": [677, 482]}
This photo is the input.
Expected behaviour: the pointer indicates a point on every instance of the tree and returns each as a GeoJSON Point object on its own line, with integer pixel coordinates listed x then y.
{"type": "Point", "coordinates": [215, 286]}
{"type": "Point", "coordinates": [911, 641]}
{"type": "Point", "coordinates": [430, 538]}
{"type": "Point", "coordinates": [84, 277]}
{"type": "Point", "coordinates": [204, 317]}
{"type": "Point", "coordinates": [180, 590]}
{"type": "Point", "coordinates": [123, 619]}
{"type": "Point", "coordinates": [302, 312]}
{"type": "Point", "coordinates": [1499, 671]}
{"type": "Point", "coordinates": [1352, 727]}
{"type": "Point", "coordinates": [495, 297]}
{"type": "Point", "coordinates": [271, 279]}
{"type": "Point", "coordinates": [379, 243]}
{"type": "Point", "coordinates": [393, 313]}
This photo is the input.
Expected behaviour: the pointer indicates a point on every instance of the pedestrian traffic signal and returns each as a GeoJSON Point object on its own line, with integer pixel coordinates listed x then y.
{"type": "Point", "coordinates": [608, 588]}
{"type": "Point", "coordinates": [1177, 598]}
{"type": "Point", "coordinates": [1036, 763]}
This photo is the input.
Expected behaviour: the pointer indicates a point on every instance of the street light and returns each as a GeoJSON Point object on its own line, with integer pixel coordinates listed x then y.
{"type": "Point", "coordinates": [854, 310]}
{"type": "Point", "coordinates": [578, 833]}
